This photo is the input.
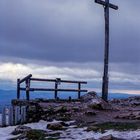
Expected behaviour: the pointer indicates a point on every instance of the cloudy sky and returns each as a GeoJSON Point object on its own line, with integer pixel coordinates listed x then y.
{"type": "Point", "coordinates": [65, 38]}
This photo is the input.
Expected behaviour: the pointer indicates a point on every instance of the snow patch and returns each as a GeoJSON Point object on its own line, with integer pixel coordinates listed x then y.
{"type": "Point", "coordinates": [71, 132]}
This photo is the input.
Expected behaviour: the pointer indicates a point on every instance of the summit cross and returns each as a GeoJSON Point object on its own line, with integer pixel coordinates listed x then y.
{"type": "Point", "coordinates": [106, 4]}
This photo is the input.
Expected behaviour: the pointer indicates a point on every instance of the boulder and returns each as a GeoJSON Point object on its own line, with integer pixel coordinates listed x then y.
{"type": "Point", "coordinates": [94, 101]}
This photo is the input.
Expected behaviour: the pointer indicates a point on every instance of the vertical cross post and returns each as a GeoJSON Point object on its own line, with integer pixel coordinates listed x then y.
{"type": "Point", "coordinates": [106, 54]}
{"type": "Point", "coordinates": [106, 6]}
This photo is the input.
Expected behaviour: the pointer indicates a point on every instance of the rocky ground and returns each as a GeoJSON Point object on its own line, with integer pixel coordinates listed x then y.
{"type": "Point", "coordinates": [90, 112]}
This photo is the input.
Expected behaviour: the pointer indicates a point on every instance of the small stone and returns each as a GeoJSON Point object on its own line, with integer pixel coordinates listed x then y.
{"type": "Point", "coordinates": [137, 117]}
{"type": "Point", "coordinates": [64, 124]}
{"type": "Point", "coordinates": [61, 109]}
{"type": "Point", "coordinates": [35, 134]}
{"type": "Point", "coordinates": [21, 129]}
{"type": "Point", "coordinates": [93, 128]}
{"type": "Point", "coordinates": [90, 113]}
{"type": "Point", "coordinates": [55, 126]}
{"type": "Point", "coordinates": [97, 106]}
{"type": "Point", "coordinates": [76, 109]}
{"type": "Point", "coordinates": [108, 137]}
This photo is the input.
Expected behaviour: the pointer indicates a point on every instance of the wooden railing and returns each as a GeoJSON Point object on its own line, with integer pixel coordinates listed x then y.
{"type": "Point", "coordinates": [56, 88]}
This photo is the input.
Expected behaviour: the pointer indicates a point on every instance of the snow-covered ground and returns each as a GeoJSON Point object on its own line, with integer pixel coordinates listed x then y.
{"type": "Point", "coordinates": [72, 133]}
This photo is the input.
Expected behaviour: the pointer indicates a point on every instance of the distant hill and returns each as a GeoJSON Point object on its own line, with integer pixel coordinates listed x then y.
{"type": "Point", "coordinates": [7, 95]}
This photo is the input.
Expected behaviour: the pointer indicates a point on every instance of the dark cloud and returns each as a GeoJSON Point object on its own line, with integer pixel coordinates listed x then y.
{"type": "Point", "coordinates": [68, 30]}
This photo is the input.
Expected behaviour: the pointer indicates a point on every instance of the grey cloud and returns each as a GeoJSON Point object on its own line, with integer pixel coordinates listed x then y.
{"type": "Point", "coordinates": [70, 33]}
{"type": "Point", "coordinates": [60, 31]}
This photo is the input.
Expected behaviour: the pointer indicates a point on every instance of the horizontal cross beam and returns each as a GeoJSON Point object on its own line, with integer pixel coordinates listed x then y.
{"type": "Point", "coordinates": [115, 7]}
{"type": "Point", "coordinates": [51, 89]}
{"type": "Point", "coordinates": [55, 80]}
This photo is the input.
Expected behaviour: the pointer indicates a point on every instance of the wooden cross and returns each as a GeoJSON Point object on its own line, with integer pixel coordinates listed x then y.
{"type": "Point", "coordinates": [106, 6]}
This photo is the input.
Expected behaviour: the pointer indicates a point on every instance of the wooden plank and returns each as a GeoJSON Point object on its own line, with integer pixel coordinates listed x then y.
{"type": "Point", "coordinates": [115, 7]}
{"type": "Point", "coordinates": [50, 89]}
{"type": "Point", "coordinates": [24, 79]}
{"type": "Point", "coordinates": [67, 81]}
{"type": "Point", "coordinates": [55, 80]}
{"type": "Point", "coordinates": [43, 80]}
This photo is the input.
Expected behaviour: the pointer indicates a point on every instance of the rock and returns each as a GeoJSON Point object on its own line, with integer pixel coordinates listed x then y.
{"type": "Point", "coordinates": [54, 134]}
{"type": "Point", "coordinates": [93, 128]}
{"type": "Point", "coordinates": [21, 129]}
{"type": "Point", "coordinates": [90, 113]}
{"type": "Point", "coordinates": [55, 126]}
{"type": "Point", "coordinates": [50, 110]}
{"type": "Point", "coordinates": [89, 96]}
{"type": "Point", "coordinates": [63, 116]}
{"type": "Point", "coordinates": [36, 134]}
{"type": "Point", "coordinates": [108, 137]}
{"type": "Point", "coordinates": [131, 101]}
{"type": "Point", "coordinates": [64, 124]}
{"type": "Point", "coordinates": [94, 101]}
{"type": "Point", "coordinates": [97, 106]}
{"type": "Point", "coordinates": [137, 117]}
{"type": "Point", "coordinates": [89, 139]}
{"type": "Point", "coordinates": [61, 109]}
{"type": "Point", "coordinates": [32, 134]}
{"type": "Point", "coordinates": [20, 137]}
{"type": "Point", "coordinates": [129, 115]}
{"type": "Point", "coordinates": [76, 109]}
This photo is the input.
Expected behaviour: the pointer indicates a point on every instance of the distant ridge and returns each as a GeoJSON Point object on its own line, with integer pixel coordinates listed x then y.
{"type": "Point", "coordinates": [7, 95]}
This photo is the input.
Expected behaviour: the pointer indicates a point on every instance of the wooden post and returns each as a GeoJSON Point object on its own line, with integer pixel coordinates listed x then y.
{"type": "Point", "coordinates": [27, 89]}
{"type": "Point", "coordinates": [79, 92]}
{"type": "Point", "coordinates": [106, 54]}
{"type": "Point", "coordinates": [106, 4]}
{"type": "Point", "coordinates": [56, 87]}
{"type": "Point", "coordinates": [18, 89]}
